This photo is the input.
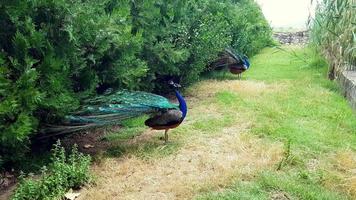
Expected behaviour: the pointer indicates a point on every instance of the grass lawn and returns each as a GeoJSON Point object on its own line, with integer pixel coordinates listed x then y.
{"type": "Point", "coordinates": [283, 132]}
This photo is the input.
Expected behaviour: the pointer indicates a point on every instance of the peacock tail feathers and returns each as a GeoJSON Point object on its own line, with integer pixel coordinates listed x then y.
{"type": "Point", "coordinates": [127, 98]}
{"type": "Point", "coordinates": [230, 57]}
{"type": "Point", "coordinates": [111, 109]}
{"type": "Point", "coordinates": [241, 58]}
{"type": "Point", "coordinates": [234, 54]}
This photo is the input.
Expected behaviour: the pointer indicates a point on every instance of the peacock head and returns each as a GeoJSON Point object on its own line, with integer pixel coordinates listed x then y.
{"type": "Point", "coordinates": [174, 85]}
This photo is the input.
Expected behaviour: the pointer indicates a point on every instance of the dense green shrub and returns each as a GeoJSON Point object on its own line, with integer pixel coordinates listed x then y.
{"type": "Point", "coordinates": [250, 32]}
{"type": "Point", "coordinates": [183, 41]}
{"type": "Point", "coordinates": [64, 172]}
{"type": "Point", "coordinates": [333, 33]}
{"type": "Point", "coordinates": [181, 37]}
{"type": "Point", "coordinates": [55, 53]}
{"type": "Point", "coordinates": [31, 71]}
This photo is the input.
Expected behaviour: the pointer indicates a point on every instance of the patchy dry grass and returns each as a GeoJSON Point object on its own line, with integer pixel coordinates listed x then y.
{"type": "Point", "coordinates": [204, 164]}
{"type": "Point", "coordinates": [300, 107]}
{"type": "Point", "coordinates": [283, 132]}
{"type": "Point", "coordinates": [341, 166]}
{"type": "Point", "coordinates": [208, 152]}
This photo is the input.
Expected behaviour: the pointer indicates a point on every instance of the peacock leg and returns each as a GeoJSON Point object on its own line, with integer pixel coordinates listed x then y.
{"type": "Point", "coordinates": [166, 136]}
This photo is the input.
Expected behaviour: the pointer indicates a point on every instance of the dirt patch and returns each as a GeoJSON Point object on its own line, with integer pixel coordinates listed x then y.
{"type": "Point", "coordinates": [206, 163]}
{"type": "Point", "coordinates": [7, 184]}
{"type": "Point", "coordinates": [278, 195]}
{"type": "Point", "coordinates": [90, 142]}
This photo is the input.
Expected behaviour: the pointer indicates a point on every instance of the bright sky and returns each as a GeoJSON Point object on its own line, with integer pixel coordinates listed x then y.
{"type": "Point", "coordinates": [286, 13]}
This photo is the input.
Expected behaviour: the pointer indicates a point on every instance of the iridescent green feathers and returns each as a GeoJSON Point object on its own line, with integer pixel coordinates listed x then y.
{"type": "Point", "coordinates": [111, 109]}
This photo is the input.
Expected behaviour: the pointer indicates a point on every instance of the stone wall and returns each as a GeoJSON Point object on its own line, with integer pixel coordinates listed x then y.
{"type": "Point", "coordinates": [347, 81]}
{"type": "Point", "coordinates": [300, 37]}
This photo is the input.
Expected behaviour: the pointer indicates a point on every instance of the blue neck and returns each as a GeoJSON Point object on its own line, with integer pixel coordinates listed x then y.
{"type": "Point", "coordinates": [182, 104]}
{"type": "Point", "coordinates": [246, 63]}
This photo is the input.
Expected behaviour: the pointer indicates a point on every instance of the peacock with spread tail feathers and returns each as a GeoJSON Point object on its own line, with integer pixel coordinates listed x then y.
{"type": "Point", "coordinates": [111, 109]}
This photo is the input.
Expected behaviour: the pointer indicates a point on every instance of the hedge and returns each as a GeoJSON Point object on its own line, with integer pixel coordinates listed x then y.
{"type": "Point", "coordinates": [56, 53]}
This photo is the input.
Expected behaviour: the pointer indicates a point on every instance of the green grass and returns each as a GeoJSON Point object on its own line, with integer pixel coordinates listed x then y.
{"type": "Point", "coordinates": [269, 184]}
{"type": "Point", "coordinates": [303, 108]}
{"type": "Point", "coordinates": [309, 111]}
{"type": "Point", "coordinates": [284, 98]}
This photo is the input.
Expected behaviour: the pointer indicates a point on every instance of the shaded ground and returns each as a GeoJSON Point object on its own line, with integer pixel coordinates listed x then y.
{"type": "Point", "coordinates": [91, 143]}
{"type": "Point", "coordinates": [7, 184]}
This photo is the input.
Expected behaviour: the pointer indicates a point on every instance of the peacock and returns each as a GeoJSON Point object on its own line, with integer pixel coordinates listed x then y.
{"type": "Point", "coordinates": [235, 62]}
{"type": "Point", "coordinates": [111, 109]}
{"type": "Point", "coordinates": [239, 67]}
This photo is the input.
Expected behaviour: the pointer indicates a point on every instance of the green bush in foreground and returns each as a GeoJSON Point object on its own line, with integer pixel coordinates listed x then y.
{"type": "Point", "coordinates": [64, 172]}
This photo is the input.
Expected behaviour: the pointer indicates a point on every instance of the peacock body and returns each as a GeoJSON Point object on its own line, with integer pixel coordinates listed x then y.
{"type": "Point", "coordinates": [235, 62]}
{"type": "Point", "coordinates": [111, 109]}
{"type": "Point", "coordinates": [240, 64]}
{"type": "Point", "coordinates": [170, 118]}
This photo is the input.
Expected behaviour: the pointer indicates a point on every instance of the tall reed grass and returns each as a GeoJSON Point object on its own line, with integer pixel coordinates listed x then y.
{"type": "Point", "coordinates": [333, 33]}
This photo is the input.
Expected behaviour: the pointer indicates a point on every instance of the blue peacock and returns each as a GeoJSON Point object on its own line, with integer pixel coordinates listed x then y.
{"type": "Point", "coordinates": [236, 63]}
{"type": "Point", "coordinates": [111, 109]}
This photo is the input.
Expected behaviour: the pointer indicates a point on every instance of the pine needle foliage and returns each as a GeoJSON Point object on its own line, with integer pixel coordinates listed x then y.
{"type": "Point", "coordinates": [56, 53]}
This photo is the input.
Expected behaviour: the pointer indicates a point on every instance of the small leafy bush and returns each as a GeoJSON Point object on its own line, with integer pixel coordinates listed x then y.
{"type": "Point", "coordinates": [63, 173]}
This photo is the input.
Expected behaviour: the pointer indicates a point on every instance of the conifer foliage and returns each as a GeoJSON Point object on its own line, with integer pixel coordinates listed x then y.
{"type": "Point", "coordinates": [55, 53]}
